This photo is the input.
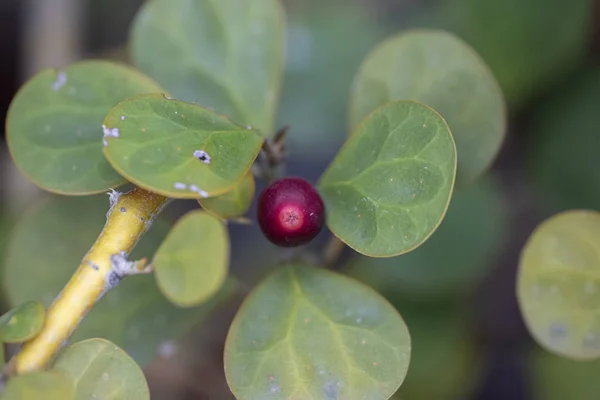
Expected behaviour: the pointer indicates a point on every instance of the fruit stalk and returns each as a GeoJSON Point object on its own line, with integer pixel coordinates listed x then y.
{"type": "Point", "coordinates": [130, 216]}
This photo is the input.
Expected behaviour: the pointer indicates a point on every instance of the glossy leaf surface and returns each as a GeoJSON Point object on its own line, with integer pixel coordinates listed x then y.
{"type": "Point", "coordinates": [101, 370]}
{"type": "Point", "coordinates": [558, 284]}
{"type": "Point", "coordinates": [234, 203]}
{"type": "Point", "coordinates": [438, 69]}
{"type": "Point", "coordinates": [192, 262]}
{"type": "Point", "coordinates": [229, 54]}
{"type": "Point", "coordinates": [135, 315]}
{"type": "Point", "coordinates": [47, 385]}
{"type": "Point", "coordinates": [388, 188]}
{"type": "Point", "coordinates": [178, 149]}
{"type": "Point", "coordinates": [22, 323]}
{"type": "Point", "coordinates": [310, 333]}
{"type": "Point", "coordinates": [54, 125]}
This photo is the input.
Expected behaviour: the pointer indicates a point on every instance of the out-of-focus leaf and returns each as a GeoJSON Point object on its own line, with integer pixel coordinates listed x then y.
{"type": "Point", "coordinates": [54, 125]}
{"type": "Point", "coordinates": [192, 262]}
{"type": "Point", "coordinates": [48, 244]}
{"type": "Point", "coordinates": [455, 258]}
{"type": "Point", "coordinates": [178, 149]}
{"type": "Point", "coordinates": [101, 370]}
{"type": "Point", "coordinates": [388, 188]}
{"type": "Point", "coordinates": [438, 69]}
{"type": "Point", "coordinates": [224, 54]}
{"type": "Point", "coordinates": [43, 385]}
{"type": "Point", "coordinates": [309, 333]}
{"type": "Point", "coordinates": [22, 323]}
{"type": "Point", "coordinates": [563, 149]}
{"type": "Point", "coordinates": [558, 284]}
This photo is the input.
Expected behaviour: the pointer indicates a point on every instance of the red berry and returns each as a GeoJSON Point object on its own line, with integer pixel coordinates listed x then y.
{"type": "Point", "coordinates": [290, 212]}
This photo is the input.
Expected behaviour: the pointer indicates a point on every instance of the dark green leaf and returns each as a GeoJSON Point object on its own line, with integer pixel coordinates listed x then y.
{"type": "Point", "coordinates": [558, 284]}
{"type": "Point", "coordinates": [454, 259]}
{"type": "Point", "coordinates": [440, 70]}
{"type": "Point", "coordinates": [22, 323]}
{"type": "Point", "coordinates": [234, 203]}
{"type": "Point", "coordinates": [310, 333]}
{"type": "Point", "coordinates": [563, 149]}
{"type": "Point", "coordinates": [223, 54]}
{"type": "Point", "coordinates": [178, 149]}
{"type": "Point", "coordinates": [43, 385]}
{"type": "Point", "coordinates": [101, 370]}
{"type": "Point", "coordinates": [191, 264]}
{"type": "Point", "coordinates": [556, 378]}
{"type": "Point", "coordinates": [54, 125]}
{"type": "Point", "coordinates": [49, 243]}
{"type": "Point", "coordinates": [388, 188]}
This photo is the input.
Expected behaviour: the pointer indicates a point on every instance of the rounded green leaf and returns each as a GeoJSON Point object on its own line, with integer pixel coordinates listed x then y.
{"type": "Point", "coordinates": [234, 203]}
{"type": "Point", "coordinates": [47, 245]}
{"type": "Point", "coordinates": [309, 333]}
{"type": "Point", "coordinates": [46, 385]}
{"type": "Point", "coordinates": [101, 370]}
{"type": "Point", "coordinates": [178, 149]}
{"type": "Point", "coordinates": [192, 262]}
{"type": "Point", "coordinates": [22, 323]}
{"type": "Point", "coordinates": [556, 378]}
{"type": "Point", "coordinates": [223, 54]}
{"type": "Point", "coordinates": [440, 70]}
{"type": "Point", "coordinates": [558, 284]}
{"type": "Point", "coordinates": [459, 254]}
{"type": "Point", "coordinates": [562, 156]}
{"type": "Point", "coordinates": [388, 188]}
{"type": "Point", "coordinates": [54, 125]}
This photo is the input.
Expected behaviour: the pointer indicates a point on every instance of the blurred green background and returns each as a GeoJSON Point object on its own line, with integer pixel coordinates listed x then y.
{"type": "Point", "coordinates": [457, 291]}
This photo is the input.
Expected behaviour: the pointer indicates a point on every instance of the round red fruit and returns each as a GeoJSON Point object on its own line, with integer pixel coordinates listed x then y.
{"type": "Point", "coordinates": [290, 212]}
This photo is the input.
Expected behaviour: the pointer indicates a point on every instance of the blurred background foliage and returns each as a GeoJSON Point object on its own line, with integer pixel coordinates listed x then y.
{"type": "Point", "coordinates": [456, 292]}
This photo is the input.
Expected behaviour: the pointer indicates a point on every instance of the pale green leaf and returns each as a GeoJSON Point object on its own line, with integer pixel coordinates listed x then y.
{"type": "Point", "coordinates": [47, 245]}
{"type": "Point", "coordinates": [309, 333]}
{"type": "Point", "coordinates": [42, 385]}
{"type": "Point", "coordinates": [101, 370]}
{"type": "Point", "coordinates": [178, 149]}
{"type": "Point", "coordinates": [440, 70]}
{"type": "Point", "coordinates": [234, 203]}
{"type": "Point", "coordinates": [223, 54]}
{"type": "Point", "coordinates": [558, 284]}
{"type": "Point", "coordinates": [22, 323]}
{"type": "Point", "coordinates": [388, 188]}
{"type": "Point", "coordinates": [54, 125]}
{"type": "Point", "coordinates": [191, 264]}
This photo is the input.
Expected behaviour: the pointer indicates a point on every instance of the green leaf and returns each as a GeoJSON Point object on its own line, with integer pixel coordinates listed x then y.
{"type": "Point", "coordinates": [455, 258]}
{"type": "Point", "coordinates": [444, 349]}
{"type": "Point", "coordinates": [229, 55]}
{"type": "Point", "coordinates": [562, 156]}
{"type": "Point", "coordinates": [101, 370]}
{"type": "Point", "coordinates": [530, 45]}
{"type": "Point", "coordinates": [387, 190]}
{"type": "Point", "coordinates": [440, 70]}
{"type": "Point", "coordinates": [178, 149]}
{"type": "Point", "coordinates": [47, 245]}
{"type": "Point", "coordinates": [557, 378]}
{"type": "Point", "coordinates": [54, 125]}
{"type": "Point", "coordinates": [234, 203]}
{"type": "Point", "coordinates": [191, 264]}
{"type": "Point", "coordinates": [44, 385]}
{"type": "Point", "coordinates": [313, 334]}
{"type": "Point", "coordinates": [558, 284]}
{"type": "Point", "coordinates": [22, 323]}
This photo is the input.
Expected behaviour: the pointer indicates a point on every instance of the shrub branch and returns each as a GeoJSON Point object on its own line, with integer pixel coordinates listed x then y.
{"type": "Point", "coordinates": [130, 216]}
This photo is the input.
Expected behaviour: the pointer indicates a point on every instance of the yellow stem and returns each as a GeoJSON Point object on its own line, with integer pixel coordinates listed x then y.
{"type": "Point", "coordinates": [130, 215]}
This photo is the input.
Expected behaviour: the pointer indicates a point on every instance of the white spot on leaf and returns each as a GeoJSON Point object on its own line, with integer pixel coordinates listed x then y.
{"type": "Point", "coordinates": [61, 80]}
